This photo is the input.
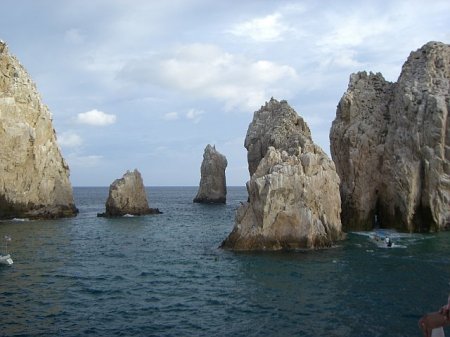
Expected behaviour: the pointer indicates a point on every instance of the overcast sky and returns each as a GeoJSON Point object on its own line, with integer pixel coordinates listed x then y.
{"type": "Point", "coordinates": [148, 84]}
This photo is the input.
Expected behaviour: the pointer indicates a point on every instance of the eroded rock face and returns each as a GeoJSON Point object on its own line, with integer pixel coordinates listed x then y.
{"type": "Point", "coordinates": [34, 178]}
{"type": "Point", "coordinates": [127, 197]}
{"type": "Point", "coordinates": [294, 197]}
{"type": "Point", "coordinates": [357, 147]}
{"type": "Point", "coordinates": [275, 124]}
{"type": "Point", "coordinates": [213, 187]}
{"type": "Point", "coordinates": [391, 146]}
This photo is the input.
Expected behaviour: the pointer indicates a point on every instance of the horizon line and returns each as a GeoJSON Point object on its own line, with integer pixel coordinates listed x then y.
{"type": "Point", "coordinates": [83, 186]}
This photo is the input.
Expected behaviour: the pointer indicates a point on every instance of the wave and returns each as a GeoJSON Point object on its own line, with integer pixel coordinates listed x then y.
{"type": "Point", "coordinates": [398, 240]}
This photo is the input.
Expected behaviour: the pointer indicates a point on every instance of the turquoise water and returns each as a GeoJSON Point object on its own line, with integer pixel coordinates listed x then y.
{"type": "Point", "coordinates": [163, 275]}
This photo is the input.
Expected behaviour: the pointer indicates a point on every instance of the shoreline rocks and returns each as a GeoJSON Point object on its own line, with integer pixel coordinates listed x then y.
{"type": "Point", "coordinates": [294, 200]}
{"type": "Point", "coordinates": [34, 180]}
{"type": "Point", "coordinates": [391, 146]}
{"type": "Point", "coordinates": [127, 196]}
{"type": "Point", "coordinates": [213, 187]}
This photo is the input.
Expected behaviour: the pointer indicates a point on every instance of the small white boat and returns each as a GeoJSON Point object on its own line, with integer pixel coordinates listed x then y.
{"type": "Point", "coordinates": [6, 259]}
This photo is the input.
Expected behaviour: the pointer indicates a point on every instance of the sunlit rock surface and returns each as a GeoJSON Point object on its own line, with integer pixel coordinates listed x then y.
{"type": "Point", "coordinates": [34, 178]}
{"type": "Point", "coordinates": [294, 200]}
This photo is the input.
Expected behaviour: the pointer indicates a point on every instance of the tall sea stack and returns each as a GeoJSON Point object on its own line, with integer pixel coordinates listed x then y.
{"type": "Point", "coordinates": [34, 178]}
{"type": "Point", "coordinates": [391, 146]}
{"type": "Point", "coordinates": [293, 191]}
{"type": "Point", "coordinates": [213, 186]}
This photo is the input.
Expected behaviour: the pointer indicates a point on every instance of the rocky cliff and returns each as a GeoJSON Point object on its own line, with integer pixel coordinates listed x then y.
{"type": "Point", "coordinates": [34, 178]}
{"type": "Point", "coordinates": [127, 196]}
{"type": "Point", "coordinates": [213, 187]}
{"type": "Point", "coordinates": [391, 146]}
{"type": "Point", "coordinates": [294, 197]}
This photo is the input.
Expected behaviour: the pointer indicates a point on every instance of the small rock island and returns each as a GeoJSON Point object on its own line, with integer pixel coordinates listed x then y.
{"type": "Point", "coordinates": [127, 196]}
{"type": "Point", "coordinates": [213, 187]}
{"type": "Point", "coordinates": [34, 179]}
{"type": "Point", "coordinates": [391, 146]}
{"type": "Point", "coordinates": [294, 200]}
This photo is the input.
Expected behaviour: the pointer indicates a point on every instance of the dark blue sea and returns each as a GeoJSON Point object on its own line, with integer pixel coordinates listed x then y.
{"type": "Point", "coordinates": [164, 275]}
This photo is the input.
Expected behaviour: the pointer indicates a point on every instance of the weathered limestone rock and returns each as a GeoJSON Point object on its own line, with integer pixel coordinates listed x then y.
{"type": "Point", "coordinates": [391, 146]}
{"type": "Point", "coordinates": [275, 124]}
{"type": "Point", "coordinates": [213, 187]}
{"type": "Point", "coordinates": [127, 197]}
{"type": "Point", "coordinates": [357, 139]}
{"type": "Point", "coordinates": [34, 178]}
{"type": "Point", "coordinates": [294, 197]}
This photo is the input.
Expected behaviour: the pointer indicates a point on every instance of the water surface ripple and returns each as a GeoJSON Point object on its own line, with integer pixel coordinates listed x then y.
{"type": "Point", "coordinates": [163, 275]}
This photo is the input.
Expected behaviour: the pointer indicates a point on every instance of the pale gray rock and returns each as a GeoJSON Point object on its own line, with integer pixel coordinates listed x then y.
{"type": "Point", "coordinates": [391, 146]}
{"type": "Point", "coordinates": [294, 197]}
{"type": "Point", "coordinates": [275, 124]}
{"type": "Point", "coordinates": [34, 178]}
{"type": "Point", "coordinates": [213, 187]}
{"type": "Point", "coordinates": [127, 196]}
{"type": "Point", "coordinates": [357, 139]}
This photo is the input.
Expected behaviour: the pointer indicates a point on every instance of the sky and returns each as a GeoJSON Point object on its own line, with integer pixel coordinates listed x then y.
{"type": "Point", "coordinates": [147, 84]}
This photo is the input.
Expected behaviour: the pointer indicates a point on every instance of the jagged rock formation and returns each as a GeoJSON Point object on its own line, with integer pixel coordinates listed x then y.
{"type": "Point", "coordinates": [294, 197]}
{"type": "Point", "coordinates": [34, 178]}
{"type": "Point", "coordinates": [278, 125]}
{"type": "Point", "coordinates": [213, 186]}
{"type": "Point", "coordinates": [391, 146]}
{"type": "Point", "coordinates": [127, 197]}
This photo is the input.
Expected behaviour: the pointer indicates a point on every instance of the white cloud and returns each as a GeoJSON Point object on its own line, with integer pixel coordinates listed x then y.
{"type": "Point", "coordinates": [341, 57]}
{"type": "Point", "coordinates": [194, 115]}
{"type": "Point", "coordinates": [376, 34]}
{"type": "Point", "coordinates": [206, 70]}
{"type": "Point", "coordinates": [171, 116]}
{"type": "Point", "coordinates": [265, 29]}
{"type": "Point", "coordinates": [76, 160]}
{"type": "Point", "coordinates": [96, 117]}
{"type": "Point", "coordinates": [69, 139]}
{"type": "Point", "coordinates": [355, 30]}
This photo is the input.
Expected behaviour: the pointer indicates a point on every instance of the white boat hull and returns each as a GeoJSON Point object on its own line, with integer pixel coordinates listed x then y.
{"type": "Point", "coordinates": [6, 259]}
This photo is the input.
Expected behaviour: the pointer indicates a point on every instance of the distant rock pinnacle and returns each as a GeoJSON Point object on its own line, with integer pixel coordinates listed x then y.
{"type": "Point", "coordinates": [213, 188]}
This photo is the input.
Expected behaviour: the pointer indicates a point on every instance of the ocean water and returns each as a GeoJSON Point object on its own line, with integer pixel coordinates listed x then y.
{"type": "Point", "coordinates": [163, 275]}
